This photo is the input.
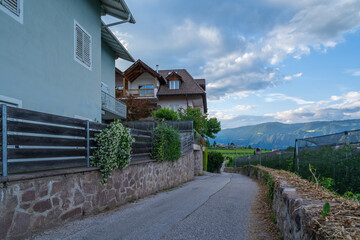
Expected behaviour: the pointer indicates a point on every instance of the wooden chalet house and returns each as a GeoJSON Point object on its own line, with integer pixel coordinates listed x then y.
{"type": "Point", "coordinates": [165, 88]}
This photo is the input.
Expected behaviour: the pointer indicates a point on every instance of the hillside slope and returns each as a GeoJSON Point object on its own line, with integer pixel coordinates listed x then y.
{"type": "Point", "coordinates": [279, 135]}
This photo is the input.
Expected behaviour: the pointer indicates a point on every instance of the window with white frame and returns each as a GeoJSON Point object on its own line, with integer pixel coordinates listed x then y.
{"type": "Point", "coordinates": [174, 84]}
{"type": "Point", "coordinates": [82, 46]}
{"type": "Point", "coordinates": [13, 8]}
{"type": "Point", "coordinates": [174, 106]}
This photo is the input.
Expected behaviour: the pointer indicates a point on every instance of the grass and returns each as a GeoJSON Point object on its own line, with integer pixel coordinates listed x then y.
{"type": "Point", "coordinates": [235, 152]}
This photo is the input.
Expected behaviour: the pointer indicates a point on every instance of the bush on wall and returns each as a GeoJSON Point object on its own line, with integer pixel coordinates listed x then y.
{"type": "Point", "coordinates": [205, 159]}
{"type": "Point", "coordinates": [166, 144]}
{"type": "Point", "coordinates": [165, 114]}
{"type": "Point", "coordinates": [114, 149]}
{"type": "Point", "coordinates": [215, 161]}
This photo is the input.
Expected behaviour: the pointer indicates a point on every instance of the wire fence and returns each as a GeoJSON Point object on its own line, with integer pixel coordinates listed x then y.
{"type": "Point", "coordinates": [276, 160]}
{"type": "Point", "coordinates": [335, 156]}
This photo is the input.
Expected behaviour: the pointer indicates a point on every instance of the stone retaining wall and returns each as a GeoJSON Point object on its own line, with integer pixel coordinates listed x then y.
{"type": "Point", "coordinates": [32, 203]}
{"type": "Point", "coordinates": [294, 211]}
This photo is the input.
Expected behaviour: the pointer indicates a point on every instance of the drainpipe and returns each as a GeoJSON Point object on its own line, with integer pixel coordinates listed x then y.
{"type": "Point", "coordinates": [117, 23]}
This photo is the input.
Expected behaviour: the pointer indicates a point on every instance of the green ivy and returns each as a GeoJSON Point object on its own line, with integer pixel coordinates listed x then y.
{"type": "Point", "coordinates": [166, 144]}
{"type": "Point", "coordinates": [215, 160]}
{"type": "Point", "coordinates": [114, 149]}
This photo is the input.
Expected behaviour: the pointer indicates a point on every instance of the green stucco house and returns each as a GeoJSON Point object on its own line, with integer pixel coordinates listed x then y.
{"type": "Point", "coordinates": [59, 56]}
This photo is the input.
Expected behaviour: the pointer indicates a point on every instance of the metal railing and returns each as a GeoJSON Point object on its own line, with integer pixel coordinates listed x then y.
{"type": "Point", "coordinates": [136, 92]}
{"type": "Point", "coordinates": [111, 104]}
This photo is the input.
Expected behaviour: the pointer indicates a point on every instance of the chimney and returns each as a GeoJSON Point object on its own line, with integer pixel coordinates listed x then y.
{"type": "Point", "coordinates": [157, 68]}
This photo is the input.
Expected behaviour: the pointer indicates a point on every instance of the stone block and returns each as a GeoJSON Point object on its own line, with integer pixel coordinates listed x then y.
{"type": "Point", "coordinates": [56, 187]}
{"type": "Point", "coordinates": [78, 198]}
{"type": "Point", "coordinates": [5, 223]}
{"type": "Point", "coordinates": [28, 196]}
{"type": "Point", "coordinates": [42, 206]}
{"type": "Point", "coordinates": [72, 214]}
{"type": "Point", "coordinates": [21, 224]}
{"type": "Point", "coordinates": [55, 201]}
{"type": "Point", "coordinates": [11, 202]}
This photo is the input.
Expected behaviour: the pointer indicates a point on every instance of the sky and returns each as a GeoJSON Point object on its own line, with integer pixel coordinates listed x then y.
{"type": "Point", "coordinates": [263, 60]}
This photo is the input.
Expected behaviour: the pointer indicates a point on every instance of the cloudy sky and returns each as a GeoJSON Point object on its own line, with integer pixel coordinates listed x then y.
{"type": "Point", "coordinates": [263, 60]}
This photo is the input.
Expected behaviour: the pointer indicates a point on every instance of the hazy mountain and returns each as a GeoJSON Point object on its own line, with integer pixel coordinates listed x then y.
{"type": "Point", "coordinates": [279, 135]}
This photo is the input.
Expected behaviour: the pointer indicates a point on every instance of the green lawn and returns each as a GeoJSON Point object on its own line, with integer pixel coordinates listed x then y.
{"type": "Point", "coordinates": [233, 152]}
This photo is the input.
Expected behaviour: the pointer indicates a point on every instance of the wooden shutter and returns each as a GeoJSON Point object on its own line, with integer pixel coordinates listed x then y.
{"type": "Point", "coordinates": [87, 50]}
{"type": "Point", "coordinates": [12, 5]}
{"type": "Point", "coordinates": [83, 46]}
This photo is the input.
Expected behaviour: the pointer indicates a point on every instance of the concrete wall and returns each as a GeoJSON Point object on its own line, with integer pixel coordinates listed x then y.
{"type": "Point", "coordinates": [108, 67]}
{"type": "Point", "coordinates": [32, 203]}
{"type": "Point", "coordinates": [37, 58]}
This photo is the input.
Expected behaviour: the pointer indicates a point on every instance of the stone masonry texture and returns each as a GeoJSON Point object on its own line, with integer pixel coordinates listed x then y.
{"type": "Point", "coordinates": [33, 205]}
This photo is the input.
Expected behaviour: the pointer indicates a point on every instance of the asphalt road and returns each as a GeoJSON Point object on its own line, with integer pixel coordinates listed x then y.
{"type": "Point", "coordinates": [214, 206]}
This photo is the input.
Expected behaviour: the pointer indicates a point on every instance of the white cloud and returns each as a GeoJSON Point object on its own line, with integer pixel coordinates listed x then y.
{"type": "Point", "coordinates": [353, 72]}
{"type": "Point", "coordinates": [273, 97]}
{"type": "Point", "coordinates": [317, 25]}
{"type": "Point", "coordinates": [347, 108]}
{"type": "Point", "coordinates": [124, 38]}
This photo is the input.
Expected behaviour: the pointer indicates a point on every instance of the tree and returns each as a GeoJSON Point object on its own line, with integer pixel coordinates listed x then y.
{"type": "Point", "coordinates": [137, 108]}
{"type": "Point", "coordinates": [207, 142]}
{"type": "Point", "coordinates": [249, 147]}
{"type": "Point", "coordinates": [204, 126]}
{"type": "Point", "coordinates": [214, 143]}
{"type": "Point", "coordinates": [167, 114]}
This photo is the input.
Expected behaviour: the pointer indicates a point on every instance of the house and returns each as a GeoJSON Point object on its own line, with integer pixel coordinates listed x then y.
{"type": "Point", "coordinates": [182, 90]}
{"type": "Point", "coordinates": [59, 56]}
{"type": "Point", "coordinates": [167, 88]}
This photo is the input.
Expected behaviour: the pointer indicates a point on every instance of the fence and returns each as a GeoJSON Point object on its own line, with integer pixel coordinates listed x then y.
{"type": "Point", "coordinates": [185, 129]}
{"type": "Point", "coordinates": [335, 156]}
{"type": "Point", "coordinates": [33, 141]}
{"type": "Point", "coordinates": [276, 160]}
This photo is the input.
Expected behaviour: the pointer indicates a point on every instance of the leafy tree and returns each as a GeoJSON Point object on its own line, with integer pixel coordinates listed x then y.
{"type": "Point", "coordinates": [166, 114]}
{"type": "Point", "coordinates": [204, 126]}
{"type": "Point", "coordinates": [138, 108]}
{"type": "Point", "coordinates": [207, 142]}
{"type": "Point", "coordinates": [249, 147]}
{"type": "Point", "coordinates": [214, 143]}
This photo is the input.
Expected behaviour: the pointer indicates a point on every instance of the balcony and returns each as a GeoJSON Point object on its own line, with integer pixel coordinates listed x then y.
{"type": "Point", "coordinates": [138, 93]}
{"type": "Point", "coordinates": [112, 107]}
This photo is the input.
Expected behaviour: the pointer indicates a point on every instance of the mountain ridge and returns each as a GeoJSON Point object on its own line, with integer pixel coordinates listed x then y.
{"type": "Point", "coordinates": [279, 135]}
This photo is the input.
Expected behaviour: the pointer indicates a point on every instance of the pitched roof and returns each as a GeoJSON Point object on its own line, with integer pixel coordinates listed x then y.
{"type": "Point", "coordinates": [138, 68]}
{"type": "Point", "coordinates": [201, 82]}
{"type": "Point", "coordinates": [188, 86]}
{"type": "Point", "coordinates": [118, 9]}
{"type": "Point", "coordinates": [114, 43]}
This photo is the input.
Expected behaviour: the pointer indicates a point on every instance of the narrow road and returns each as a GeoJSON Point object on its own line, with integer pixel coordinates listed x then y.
{"type": "Point", "coordinates": [214, 206]}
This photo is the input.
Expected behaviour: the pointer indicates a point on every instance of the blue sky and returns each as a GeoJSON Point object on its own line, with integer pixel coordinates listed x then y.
{"type": "Point", "coordinates": [274, 60]}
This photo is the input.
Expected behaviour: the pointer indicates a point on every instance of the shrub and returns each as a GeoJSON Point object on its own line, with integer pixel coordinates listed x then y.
{"type": "Point", "coordinates": [166, 144]}
{"type": "Point", "coordinates": [215, 160]}
{"type": "Point", "coordinates": [114, 149]}
{"type": "Point", "coordinates": [205, 159]}
{"type": "Point", "coordinates": [167, 114]}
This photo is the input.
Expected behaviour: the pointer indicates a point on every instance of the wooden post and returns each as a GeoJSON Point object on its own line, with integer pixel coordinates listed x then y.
{"type": "Point", "coordinates": [4, 139]}
{"type": "Point", "coordinates": [124, 93]}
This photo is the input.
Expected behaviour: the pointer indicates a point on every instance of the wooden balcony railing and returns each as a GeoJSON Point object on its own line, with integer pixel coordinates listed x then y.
{"type": "Point", "coordinates": [135, 93]}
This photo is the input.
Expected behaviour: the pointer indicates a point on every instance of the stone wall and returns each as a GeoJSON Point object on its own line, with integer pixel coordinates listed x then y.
{"type": "Point", "coordinates": [32, 203]}
{"type": "Point", "coordinates": [198, 154]}
{"type": "Point", "coordinates": [297, 205]}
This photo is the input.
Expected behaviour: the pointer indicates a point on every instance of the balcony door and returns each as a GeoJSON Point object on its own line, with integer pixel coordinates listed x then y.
{"type": "Point", "coordinates": [146, 90]}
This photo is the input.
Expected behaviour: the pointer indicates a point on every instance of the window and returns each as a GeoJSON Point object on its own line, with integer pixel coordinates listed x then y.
{"type": "Point", "coordinates": [174, 84]}
{"type": "Point", "coordinates": [13, 8]}
{"type": "Point", "coordinates": [146, 90]}
{"type": "Point", "coordinates": [82, 46]}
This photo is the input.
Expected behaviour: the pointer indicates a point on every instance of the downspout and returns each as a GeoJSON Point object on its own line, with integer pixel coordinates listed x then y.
{"type": "Point", "coordinates": [187, 101]}
{"type": "Point", "coordinates": [117, 23]}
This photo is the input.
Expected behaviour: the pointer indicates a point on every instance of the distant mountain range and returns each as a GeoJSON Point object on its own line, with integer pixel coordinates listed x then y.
{"type": "Point", "coordinates": [279, 135]}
